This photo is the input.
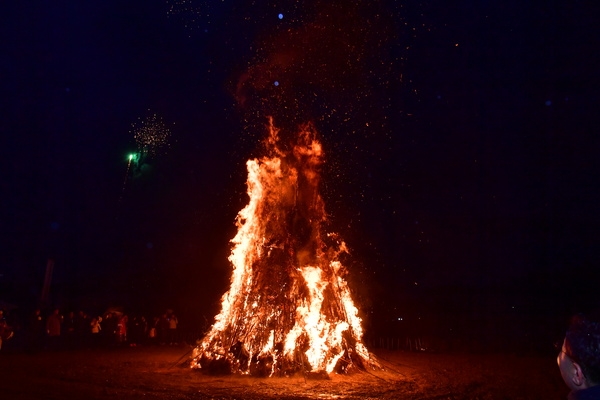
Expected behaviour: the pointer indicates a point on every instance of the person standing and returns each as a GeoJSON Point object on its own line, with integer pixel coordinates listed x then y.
{"type": "Point", "coordinates": [36, 329]}
{"type": "Point", "coordinates": [162, 329]}
{"type": "Point", "coordinates": [53, 328]}
{"type": "Point", "coordinates": [122, 329]}
{"type": "Point", "coordinates": [152, 332]}
{"type": "Point", "coordinates": [172, 335]}
{"type": "Point", "coordinates": [69, 329]}
{"type": "Point", "coordinates": [95, 328]}
{"type": "Point", "coordinates": [82, 322]}
{"type": "Point", "coordinates": [579, 358]}
{"type": "Point", "coordinates": [5, 330]}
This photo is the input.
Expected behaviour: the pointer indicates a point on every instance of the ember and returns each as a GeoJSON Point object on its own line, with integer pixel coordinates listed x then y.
{"type": "Point", "coordinates": [288, 308]}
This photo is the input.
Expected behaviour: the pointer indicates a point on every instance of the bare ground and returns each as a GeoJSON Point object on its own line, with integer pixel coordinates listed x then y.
{"type": "Point", "coordinates": [163, 373]}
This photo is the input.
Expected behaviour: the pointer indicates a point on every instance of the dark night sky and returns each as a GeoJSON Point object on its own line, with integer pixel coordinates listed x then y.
{"type": "Point", "coordinates": [461, 143]}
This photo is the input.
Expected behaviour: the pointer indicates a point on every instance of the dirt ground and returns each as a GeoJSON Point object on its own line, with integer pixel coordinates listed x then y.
{"type": "Point", "coordinates": [163, 373]}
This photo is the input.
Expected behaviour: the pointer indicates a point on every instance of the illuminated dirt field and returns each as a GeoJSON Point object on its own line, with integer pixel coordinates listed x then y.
{"type": "Point", "coordinates": [162, 373]}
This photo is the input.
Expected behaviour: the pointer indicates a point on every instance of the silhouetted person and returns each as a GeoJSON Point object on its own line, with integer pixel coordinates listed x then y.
{"type": "Point", "coordinates": [5, 330]}
{"type": "Point", "coordinates": [121, 331]}
{"type": "Point", "coordinates": [109, 329]}
{"type": "Point", "coordinates": [163, 329]}
{"type": "Point", "coordinates": [579, 358]}
{"type": "Point", "coordinates": [143, 329]}
{"type": "Point", "coordinates": [153, 331]}
{"type": "Point", "coordinates": [68, 329]}
{"type": "Point", "coordinates": [36, 329]}
{"type": "Point", "coordinates": [69, 323]}
{"type": "Point", "coordinates": [172, 331]}
{"type": "Point", "coordinates": [137, 331]}
{"type": "Point", "coordinates": [53, 325]}
{"type": "Point", "coordinates": [82, 323]}
{"type": "Point", "coordinates": [95, 329]}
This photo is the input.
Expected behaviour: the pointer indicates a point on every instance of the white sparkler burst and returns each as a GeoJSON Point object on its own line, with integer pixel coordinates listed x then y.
{"type": "Point", "coordinates": [151, 135]}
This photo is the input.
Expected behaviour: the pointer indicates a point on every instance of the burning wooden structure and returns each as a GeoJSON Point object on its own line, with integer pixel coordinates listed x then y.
{"type": "Point", "coordinates": [288, 308]}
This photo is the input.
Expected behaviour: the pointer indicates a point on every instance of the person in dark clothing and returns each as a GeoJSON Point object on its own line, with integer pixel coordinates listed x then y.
{"type": "Point", "coordinates": [5, 330]}
{"type": "Point", "coordinates": [579, 358]}
{"type": "Point", "coordinates": [109, 329]}
{"type": "Point", "coordinates": [36, 330]}
{"type": "Point", "coordinates": [163, 329]}
{"type": "Point", "coordinates": [137, 331]}
{"type": "Point", "coordinates": [53, 329]}
{"type": "Point", "coordinates": [68, 330]}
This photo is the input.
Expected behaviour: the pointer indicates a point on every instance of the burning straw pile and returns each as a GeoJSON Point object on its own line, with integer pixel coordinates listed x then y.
{"type": "Point", "coordinates": [288, 308]}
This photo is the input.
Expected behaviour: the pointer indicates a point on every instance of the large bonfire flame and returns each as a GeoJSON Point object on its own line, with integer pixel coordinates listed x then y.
{"type": "Point", "coordinates": [288, 308]}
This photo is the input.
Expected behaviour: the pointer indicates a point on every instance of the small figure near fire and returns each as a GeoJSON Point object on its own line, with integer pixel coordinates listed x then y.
{"type": "Point", "coordinates": [172, 329]}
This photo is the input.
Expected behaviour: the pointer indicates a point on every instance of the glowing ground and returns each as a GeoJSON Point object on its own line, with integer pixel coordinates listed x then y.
{"type": "Point", "coordinates": [162, 373]}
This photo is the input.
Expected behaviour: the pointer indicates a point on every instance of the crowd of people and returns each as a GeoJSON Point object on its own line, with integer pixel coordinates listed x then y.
{"type": "Point", "coordinates": [54, 330]}
{"type": "Point", "coordinates": [578, 359]}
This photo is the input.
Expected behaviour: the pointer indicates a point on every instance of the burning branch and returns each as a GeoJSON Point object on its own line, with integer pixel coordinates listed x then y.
{"type": "Point", "coordinates": [288, 308]}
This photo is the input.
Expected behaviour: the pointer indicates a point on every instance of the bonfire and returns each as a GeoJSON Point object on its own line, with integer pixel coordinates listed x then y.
{"type": "Point", "coordinates": [288, 308]}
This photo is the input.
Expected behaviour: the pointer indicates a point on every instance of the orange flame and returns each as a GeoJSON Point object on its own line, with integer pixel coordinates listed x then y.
{"type": "Point", "coordinates": [288, 307]}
